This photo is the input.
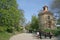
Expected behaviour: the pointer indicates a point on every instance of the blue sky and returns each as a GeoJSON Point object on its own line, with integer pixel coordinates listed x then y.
{"type": "Point", "coordinates": [32, 7]}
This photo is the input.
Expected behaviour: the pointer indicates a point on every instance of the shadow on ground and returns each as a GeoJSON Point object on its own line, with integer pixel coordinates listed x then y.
{"type": "Point", "coordinates": [43, 38]}
{"type": "Point", "coordinates": [58, 37]}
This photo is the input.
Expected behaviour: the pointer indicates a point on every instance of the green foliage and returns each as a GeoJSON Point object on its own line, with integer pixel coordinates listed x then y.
{"type": "Point", "coordinates": [47, 30]}
{"type": "Point", "coordinates": [56, 32]}
{"type": "Point", "coordinates": [5, 36]}
{"type": "Point", "coordinates": [27, 26]}
{"type": "Point", "coordinates": [10, 15]}
{"type": "Point", "coordinates": [34, 23]}
{"type": "Point", "coordinates": [56, 6]}
{"type": "Point", "coordinates": [19, 29]}
{"type": "Point", "coordinates": [58, 21]}
{"type": "Point", "coordinates": [10, 29]}
{"type": "Point", "coordinates": [2, 28]}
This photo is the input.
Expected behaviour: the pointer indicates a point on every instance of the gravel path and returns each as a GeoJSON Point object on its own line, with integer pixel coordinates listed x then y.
{"type": "Point", "coordinates": [27, 36]}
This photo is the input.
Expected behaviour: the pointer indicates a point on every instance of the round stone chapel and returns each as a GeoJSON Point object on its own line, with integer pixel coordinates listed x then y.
{"type": "Point", "coordinates": [46, 19]}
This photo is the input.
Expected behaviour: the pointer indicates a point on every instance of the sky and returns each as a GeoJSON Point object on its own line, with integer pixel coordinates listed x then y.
{"type": "Point", "coordinates": [32, 7]}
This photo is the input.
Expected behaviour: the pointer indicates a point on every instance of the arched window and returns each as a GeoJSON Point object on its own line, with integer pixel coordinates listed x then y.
{"type": "Point", "coordinates": [49, 23]}
{"type": "Point", "coordinates": [48, 17]}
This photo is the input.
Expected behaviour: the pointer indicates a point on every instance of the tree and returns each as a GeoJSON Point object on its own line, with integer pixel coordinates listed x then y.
{"type": "Point", "coordinates": [34, 23]}
{"type": "Point", "coordinates": [10, 15]}
{"type": "Point", "coordinates": [22, 18]}
{"type": "Point", "coordinates": [56, 6]}
{"type": "Point", "coordinates": [27, 26]}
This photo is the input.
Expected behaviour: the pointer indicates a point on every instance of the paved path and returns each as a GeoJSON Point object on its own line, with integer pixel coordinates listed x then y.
{"type": "Point", "coordinates": [27, 36]}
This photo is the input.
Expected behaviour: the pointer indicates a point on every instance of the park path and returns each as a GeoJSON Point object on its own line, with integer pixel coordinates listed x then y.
{"type": "Point", "coordinates": [27, 36]}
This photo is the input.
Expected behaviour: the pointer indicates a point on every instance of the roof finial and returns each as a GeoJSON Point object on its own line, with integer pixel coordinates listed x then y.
{"type": "Point", "coordinates": [45, 8]}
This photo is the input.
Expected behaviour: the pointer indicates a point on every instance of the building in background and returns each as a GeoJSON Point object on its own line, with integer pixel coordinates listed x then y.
{"type": "Point", "coordinates": [46, 19]}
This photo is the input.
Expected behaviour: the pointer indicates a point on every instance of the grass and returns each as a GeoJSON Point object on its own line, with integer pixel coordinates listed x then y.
{"type": "Point", "coordinates": [5, 35]}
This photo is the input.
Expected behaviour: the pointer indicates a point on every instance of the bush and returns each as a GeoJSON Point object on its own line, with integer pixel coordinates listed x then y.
{"type": "Point", "coordinates": [56, 32]}
{"type": "Point", "coordinates": [3, 28]}
{"type": "Point", "coordinates": [10, 29]}
{"type": "Point", "coordinates": [19, 29]}
{"type": "Point", "coordinates": [5, 35]}
{"type": "Point", "coordinates": [47, 30]}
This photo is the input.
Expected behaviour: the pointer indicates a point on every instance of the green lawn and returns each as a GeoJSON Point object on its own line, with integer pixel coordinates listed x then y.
{"type": "Point", "coordinates": [5, 35]}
